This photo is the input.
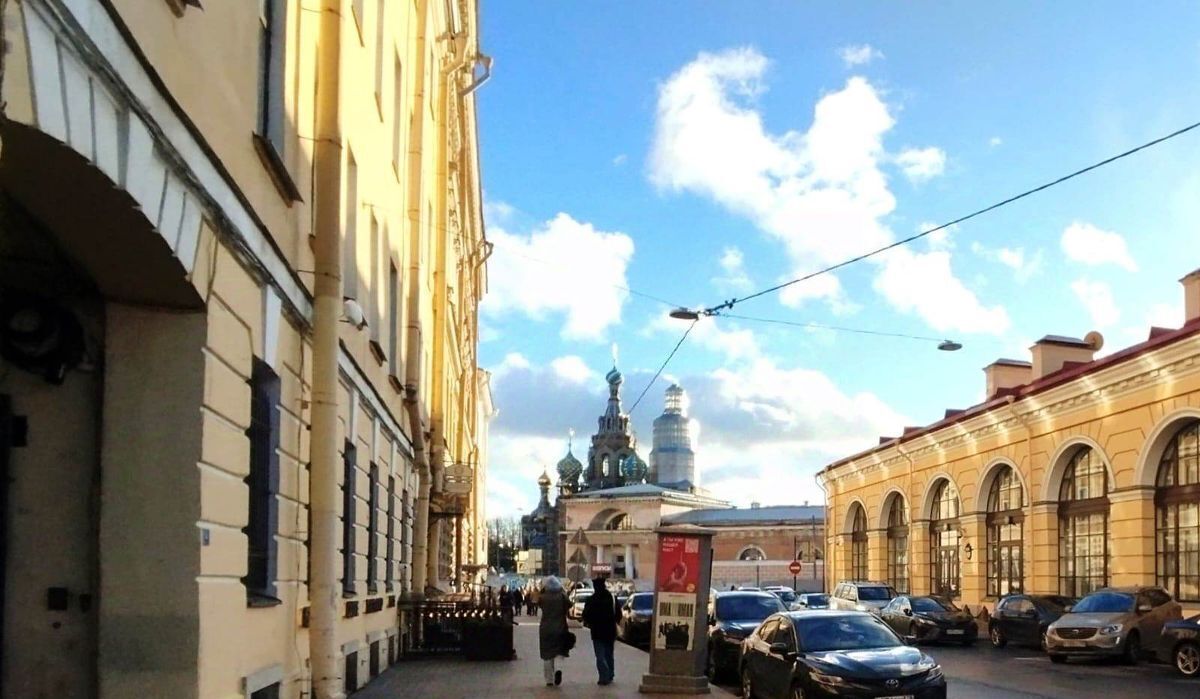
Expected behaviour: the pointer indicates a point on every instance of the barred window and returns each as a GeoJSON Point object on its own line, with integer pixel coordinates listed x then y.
{"type": "Point", "coordinates": [897, 545]}
{"type": "Point", "coordinates": [349, 483]}
{"type": "Point", "coordinates": [1083, 525]}
{"type": "Point", "coordinates": [263, 483]}
{"type": "Point", "coordinates": [1177, 515]}
{"type": "Point", "coordinates": [1005, 527]}
{"type": "Point", "coordinates": [945, 567]}
{"type": "Point", "coordinates": [859, 567]}
{"type": "Point", "coordinates": [373, 530]}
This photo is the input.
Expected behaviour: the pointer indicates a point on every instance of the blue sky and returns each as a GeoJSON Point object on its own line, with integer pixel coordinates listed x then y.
{"type": "Point", "coordinates": [696, 151]}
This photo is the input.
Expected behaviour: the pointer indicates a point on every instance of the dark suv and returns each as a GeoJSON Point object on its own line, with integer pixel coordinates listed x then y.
{"type": "Point", "coordinates": [1024, 619]}
{"type": "Point", "coordinates": [731, 617]}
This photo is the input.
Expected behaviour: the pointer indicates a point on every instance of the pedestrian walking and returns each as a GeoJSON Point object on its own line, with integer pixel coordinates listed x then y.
{"type": "Point", "coordinates": [531, 600]}
{"type": "Point", "coordinates": [505, 600]}
{"type": "Point", "coordinates": [552, 629]}
{"type": "Point", "coordinates": [600, 616]}
{"type": "Point", "coordinates": [517, 601]}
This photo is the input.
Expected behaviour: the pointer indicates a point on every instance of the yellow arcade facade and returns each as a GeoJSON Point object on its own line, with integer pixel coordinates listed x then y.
{"type": "Point", "coordinates": [1075, 473]}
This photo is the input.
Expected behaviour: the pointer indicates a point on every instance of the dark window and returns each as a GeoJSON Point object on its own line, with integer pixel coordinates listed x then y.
{"type": "Point", "coordinates": [373, 530]}
{"type": "Point", "coordinates": [1021, 606]}
{"type": "Point", "coordinates": [1083, 525]}
{"type": "Point", "coordinates": [858, 545]}
{"type": "Point", "coordinates": [393, 319]}
{"type": "Point", "coordinates": [351, 672]}
{"type": "Point", "coordinates": [1005, 523]}
{"type": "Point", "coordinates": [272, 22]}
{"type": "Point", "coordinates": [945, 568]}
{"type": "Point", "coordinates": [897, 544]}
{"type": "Point", "coordinates": [1157, 598]}
{"type": "Point", "coordinates": [349, 482]}
{"type": "Point", "coordinates": [374, 659]}
{"type": "Point", "coordinates": [390, 573]}
{"type": "Point", "coordinates": [1177, 515]}
{"type": "Point", "coordinates": [268, 692]}
{"type": "Point", "coordinates": [263, 483]}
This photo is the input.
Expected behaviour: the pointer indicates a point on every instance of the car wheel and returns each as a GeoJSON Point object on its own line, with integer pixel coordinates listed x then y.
{"type": "Point", "coordinates": [997, 637]}
{"type": "Point", "coordinates": [1056, 658]}
{"type": "Point", "coordinates": [1133, 649]}
{"type": "Point", "coordinates": [1187, 659]}
{"type": "Point", "coordinates": [747, 685]}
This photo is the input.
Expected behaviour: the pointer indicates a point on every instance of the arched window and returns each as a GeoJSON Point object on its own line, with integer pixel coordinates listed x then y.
{"type": "Point", "coordinates": [858, 545]}
{"type": "Point", "coordinates": [752, 553]}
{"type": "Point", "coordinates": [897, 545]}
{"type": "Point", "coordinates": [1005, 522]}
{"type": "Point", "coordinates": [1083, 525]}
{"type": "Point", "coordinates": [945, 568]}
{"type": "Point", "coordinates": [621, 521]}
{"type": "Point", "coordinates": [1177, 515]}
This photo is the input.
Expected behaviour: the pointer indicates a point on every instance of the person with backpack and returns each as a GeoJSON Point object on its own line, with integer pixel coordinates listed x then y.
{"type": "Point", "coordinates": [600, 616]}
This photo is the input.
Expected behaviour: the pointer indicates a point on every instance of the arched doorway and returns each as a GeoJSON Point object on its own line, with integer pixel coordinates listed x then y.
{"type": "Point", "coordinates": [945, 567]}
{"type": "Point", "coordinates": [1005, 527]}
{"type": "Point", "coordinates": [1177, 515]}
{"type": "Point", "coordinates": [859, 568]}
{"type": "Point", "coordinates": [897, 544]}
{"type": "Point", "coordinates": [1083, 525]}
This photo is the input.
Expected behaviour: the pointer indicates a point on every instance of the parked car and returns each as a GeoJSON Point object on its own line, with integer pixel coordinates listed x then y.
{"type": "Point", "coordinates": [785, 594]}
{"type": "Point", "coordinates": [731, 617]}
{"type": "Point", "coordinates": [929, 618]}
{"type": "Point", "coordinates": [828, 653]}
{"type": "Point", "coordinates": [1180, 645]}
{"type": "Point", "coordinates": [812, 600]}
{"type": "Point", "coordinates": [634, 624]}
{"type": "Point", "coordinates": [578, 597]}
{"type": "Point", "coordinates": [1024, 619]}
{"type": "Point", "coordinates": [1115, 621]}
{"type": "Point", "coordinates": [861, 596]}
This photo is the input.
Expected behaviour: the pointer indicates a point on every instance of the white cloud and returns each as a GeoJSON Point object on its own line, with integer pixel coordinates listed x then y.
{"type": "Point", "coordinates": [858, 54]}
{"type": "Point", "coordinates": [921, 164]}
{"type": "Point", "coordinates": [995, 141]}
{"type": "Point", "coordinates": [924, 283]}
{"type": "Point", "coordinates": [564, 267]}
{"type": "Point", "coordinates": [1084, 242]}
{"type": "Point", "coordinates": [1097, 298]}
{"type": "Point", "coordinates": [497, 212]}
{"type": "Point", "coordinates": [733, 266]}
{"type": "Point", "coordinates": [939, 239]}
{"type": "Point", "coordinates": [572, 368]}
{"type": "Point", "coordinates": [1024, 266]}
{"type": "Point", "coordinates": [620, 159]}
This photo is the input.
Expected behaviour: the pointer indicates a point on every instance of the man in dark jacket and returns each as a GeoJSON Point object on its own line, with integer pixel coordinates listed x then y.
{"type": "Point", "coordinates": [600, 616]}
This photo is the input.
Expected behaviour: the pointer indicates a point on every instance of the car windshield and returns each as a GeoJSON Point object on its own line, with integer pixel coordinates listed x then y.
{"type": "Point", "coordinates": [786, 595]}
{"type": "Point", "coordinates": [875, 594]}
{"type": "Point", "coordinates": [932, 604]}
{"type": "Point", "coordinates": [1053, 602]}
{"type": "Point", "coordinates": [812, 600]}
{"type": "Point", "coordinates": [642, 603]}
{"type": "Point", "coordinates": [845, 633]}
{"type": "Point", "coordinates": [748, 607]}
{"type": "Point", "coordinates": [1105, 602]}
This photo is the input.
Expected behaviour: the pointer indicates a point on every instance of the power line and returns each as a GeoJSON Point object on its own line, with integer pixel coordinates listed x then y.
{"type": "Point", "coordinates": [730, 303]}
{"type": "Point", "coordinates": [838, 328]}
{"type": "Point", "coordinates": [660, 369]}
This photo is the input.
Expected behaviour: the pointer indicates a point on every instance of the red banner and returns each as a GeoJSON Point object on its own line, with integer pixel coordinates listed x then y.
{"type": "Point", "coordinates": [678, 564]}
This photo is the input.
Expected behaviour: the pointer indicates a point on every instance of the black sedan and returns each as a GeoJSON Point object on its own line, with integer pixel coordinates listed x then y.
{"type": "Point", "coordinates": [732, 616]}
{"type": "Point", "coordinates": [929, 619]}
{"type": "Point", "coordinates": [634, 625]}
{"type": "Point", "coordinates": [1024, 618]}
{"type": "Point", "coordinates": [1180, 645]}
{"type": "Point", "coordinates": [834, 653]}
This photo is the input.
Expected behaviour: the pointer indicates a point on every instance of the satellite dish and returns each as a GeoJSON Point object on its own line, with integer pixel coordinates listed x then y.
{"type": "Point", "coordinates": [1094, 340]}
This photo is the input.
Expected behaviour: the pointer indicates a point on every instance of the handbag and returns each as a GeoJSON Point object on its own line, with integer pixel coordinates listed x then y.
{"type": "Point", "coordinates": [568, 642]}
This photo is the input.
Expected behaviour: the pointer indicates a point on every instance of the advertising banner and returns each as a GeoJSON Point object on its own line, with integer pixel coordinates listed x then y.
{"type": "Point", "coordinates": [675, 584]}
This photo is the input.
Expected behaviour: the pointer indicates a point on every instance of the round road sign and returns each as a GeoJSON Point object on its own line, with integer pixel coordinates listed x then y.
{"type": "Point", "coordinates": [794, 567]}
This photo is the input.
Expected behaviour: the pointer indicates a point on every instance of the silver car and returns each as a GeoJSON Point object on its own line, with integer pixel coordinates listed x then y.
{"type": "Point", "coordinates": [1115, 621]}
{"type": "Point", "coordinates": [861, 596]}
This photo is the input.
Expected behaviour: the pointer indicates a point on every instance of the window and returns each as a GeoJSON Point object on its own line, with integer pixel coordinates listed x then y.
{"type": "Point", "coordinates": [351, 672]}
{"type": "Point", "coordinates": [1004, 534]}
{"type": "Point", "coordinates": [858, 545]}
{"type": "Point", "coordinates": [1177, 515]}
{"type": "Point", "coordinates": [351, 206]}
{"type": "Point", "coordinates": [406, 524]}
{"type": "Point", "coordinates": [268, 692]}
{"type": "Point", "coordinates": [357, 7]}
{"type": "Point", "coordinates": [349, 470]}
{"type": "Point", "coordinates": [393, 319]}
{"type": "Point", "coordinates": [1083, 525]}
{"type": "Point", "coordinates": [373, 530]}
{"type": "Point", "coordinates": [379, 34]}
{"type": "Point", "coordinates": [272, 21]}
{"type": "Point", "coordinates": [390, 573]}
{"type": "Point", "coordinates": [897, 545]}
{"type": "Point", "coordinates": [752, 553]}
{"type": "Point", "coordinates": [375, 308]}
{"type": "Point", "coordinates": [398, 115]}
{"type": "Point", "coordinates": [263, 483]}
{"type": "Point", "coordinates": [945, 568]}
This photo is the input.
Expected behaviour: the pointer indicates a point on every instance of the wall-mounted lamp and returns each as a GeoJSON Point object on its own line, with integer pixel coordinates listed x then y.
{"type": "Point", "coordinates": [352, 313]}
{"type": "Point", "coordinates": [968, 549]}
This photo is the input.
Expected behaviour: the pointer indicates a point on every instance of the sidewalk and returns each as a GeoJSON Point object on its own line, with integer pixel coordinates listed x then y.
{"type": "Point", "coordinates": [455, 678]}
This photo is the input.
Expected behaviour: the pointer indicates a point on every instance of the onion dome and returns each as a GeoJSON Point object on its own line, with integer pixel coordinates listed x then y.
{"type": "Point", "coordinates": [613, 376]}
{"type": "Point", "coordinates": [633, 468]}
{"type": "Point", "coordinates": [543, 480]}
{"type": "Point", "coordinates": [569, 468]}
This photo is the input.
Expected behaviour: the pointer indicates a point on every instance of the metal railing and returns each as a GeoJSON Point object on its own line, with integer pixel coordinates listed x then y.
{"type": "Point", "coordinates": [457, 627]}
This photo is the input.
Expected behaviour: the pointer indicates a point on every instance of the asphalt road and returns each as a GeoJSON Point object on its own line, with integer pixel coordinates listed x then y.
{"type": "Point", "coordinates": [983, 672]}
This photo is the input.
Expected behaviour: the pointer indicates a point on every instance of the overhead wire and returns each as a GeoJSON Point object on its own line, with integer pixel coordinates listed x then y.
{"type": "Point", "coordinates": [839, 328]}
{"type": "Point", "coordinates": [662, 367]}
{"type": "Point", "coordinates": [712, 310]}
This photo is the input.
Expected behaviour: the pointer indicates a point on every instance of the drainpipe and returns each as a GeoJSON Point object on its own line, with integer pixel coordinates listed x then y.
{"type": "Point", "coordinates": [327, 312]}
{"type": "Point", "coordinates": [412, 369]}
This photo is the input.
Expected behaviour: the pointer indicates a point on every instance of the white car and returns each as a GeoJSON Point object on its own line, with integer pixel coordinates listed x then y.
{"type": "Point", "coordinates": [578, 598]}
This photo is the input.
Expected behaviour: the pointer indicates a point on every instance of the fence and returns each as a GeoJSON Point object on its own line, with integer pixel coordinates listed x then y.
{"type": "Point", "coordinates": [457, 627]}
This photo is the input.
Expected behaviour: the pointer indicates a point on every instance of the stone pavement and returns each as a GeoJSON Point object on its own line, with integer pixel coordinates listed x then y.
{"type": "Point", "coordinates": [455, 678]}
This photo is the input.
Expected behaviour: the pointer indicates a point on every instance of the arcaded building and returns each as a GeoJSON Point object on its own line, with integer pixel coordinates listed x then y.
{"type": "Point", "coordinates": [1078, 471]}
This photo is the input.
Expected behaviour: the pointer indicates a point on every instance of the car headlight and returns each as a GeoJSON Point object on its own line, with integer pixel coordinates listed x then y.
{"type": "Point", "coordinates": [827, 680]}
{"type": "Point", "coordinates": [934, 672]}
{"type": "Point", "coordinates": [1111, 630]}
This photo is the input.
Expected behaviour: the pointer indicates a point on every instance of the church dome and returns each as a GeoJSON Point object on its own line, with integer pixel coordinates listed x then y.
{"type": "Point", "coordinates": [613, 376]}
{"type": "Point", "coordinates": [543, 480]}
{"type": "Point", "coordinates": [569, 468]}
{"type": "Point", "coordinates": [633, 468]}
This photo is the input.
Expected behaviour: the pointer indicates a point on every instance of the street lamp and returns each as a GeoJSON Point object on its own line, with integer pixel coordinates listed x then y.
{"type": "Point", "coordinates": [682, 313]}
{"type": "Point", "coordinates": [949, 346]}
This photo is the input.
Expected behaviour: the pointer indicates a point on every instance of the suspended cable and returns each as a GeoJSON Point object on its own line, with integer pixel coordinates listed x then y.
{"type": "Point", "coordinates": [660, 369]}
{"type": "Point", "coordinates": [838, 328]}
{"type": "Point", "coordinates": [730, 303]}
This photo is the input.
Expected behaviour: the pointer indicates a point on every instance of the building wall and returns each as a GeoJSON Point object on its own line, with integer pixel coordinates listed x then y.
{"type": "Point", "coordinates": [150, 110]}
{"type": "Point", "coordinates": [1124, 411]}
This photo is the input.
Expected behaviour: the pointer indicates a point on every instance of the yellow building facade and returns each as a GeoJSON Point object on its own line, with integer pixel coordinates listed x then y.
{"type": "Point", "coordinates": [162, 191]}
{"type": "Point", "coordinates": [1075, 473]}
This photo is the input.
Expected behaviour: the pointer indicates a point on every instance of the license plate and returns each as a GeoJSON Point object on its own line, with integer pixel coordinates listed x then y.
{"type": "Point", "coordinates": [954, 632]}
{"type": "Point", "coordinates": [1068, 643]}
